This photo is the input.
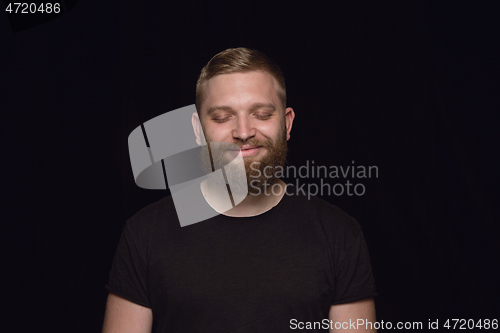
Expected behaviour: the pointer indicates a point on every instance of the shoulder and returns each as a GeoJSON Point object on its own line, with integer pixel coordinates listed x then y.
{"type": "Point", "coordinates": [334, 219]}
{"type": "Point", "coordinates": [144, 223]}
{"type": "Point", "coordinates": [329, 215]}
{"type": "Point", "coordinates": [338, 227]}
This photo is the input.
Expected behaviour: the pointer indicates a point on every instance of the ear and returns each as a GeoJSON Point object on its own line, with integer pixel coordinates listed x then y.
{"type": "Point", "coordinates": [198, 130]}
{"type": "Point", "coordinates": [289, 117]}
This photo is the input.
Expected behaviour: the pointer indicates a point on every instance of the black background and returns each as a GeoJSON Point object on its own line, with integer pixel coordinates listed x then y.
{"type": "Point", "coordinates": [411, 87]}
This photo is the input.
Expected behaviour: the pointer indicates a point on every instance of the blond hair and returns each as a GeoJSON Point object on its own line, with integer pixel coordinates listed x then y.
{"type": "Point", "coordinates": [239, 60]}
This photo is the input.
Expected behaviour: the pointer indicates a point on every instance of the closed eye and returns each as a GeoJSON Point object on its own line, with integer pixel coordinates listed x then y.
{"type": "Point", "coordinates": [221, 119]}
{"type": "Point", "coordinates": [263, 116]}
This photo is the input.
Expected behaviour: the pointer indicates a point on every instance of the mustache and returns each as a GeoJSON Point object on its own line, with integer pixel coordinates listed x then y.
{"type": "Point", "coordinates": [254, 142]}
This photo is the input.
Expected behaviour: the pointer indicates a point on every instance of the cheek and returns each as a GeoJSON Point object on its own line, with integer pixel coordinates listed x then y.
{"type": "Point", "coordinates": [218, 134]}
{"type": "Point", "coordinates": [271, 129]}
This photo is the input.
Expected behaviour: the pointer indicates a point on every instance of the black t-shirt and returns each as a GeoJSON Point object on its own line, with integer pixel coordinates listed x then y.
{"type": "Point", "coordinates": [242, 274]}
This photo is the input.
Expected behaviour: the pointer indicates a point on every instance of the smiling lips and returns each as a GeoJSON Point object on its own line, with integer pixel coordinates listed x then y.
{"type": "Point", "coordinates": [248, 150]}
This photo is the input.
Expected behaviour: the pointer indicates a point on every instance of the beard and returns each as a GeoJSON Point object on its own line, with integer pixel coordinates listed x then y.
{"type": "Point", "coordinates": [261, 172]}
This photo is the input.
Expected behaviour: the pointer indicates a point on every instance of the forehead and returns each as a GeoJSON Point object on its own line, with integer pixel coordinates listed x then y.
{"type": "Point", "coordinates": [240, 90]}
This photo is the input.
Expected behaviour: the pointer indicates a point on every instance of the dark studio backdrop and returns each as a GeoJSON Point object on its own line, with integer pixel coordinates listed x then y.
{"type": "Point", "coordinates": [409, 87]}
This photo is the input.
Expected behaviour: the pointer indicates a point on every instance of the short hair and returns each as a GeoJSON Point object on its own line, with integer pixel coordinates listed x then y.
{"type": "Point", "coordinates": [239, 60]}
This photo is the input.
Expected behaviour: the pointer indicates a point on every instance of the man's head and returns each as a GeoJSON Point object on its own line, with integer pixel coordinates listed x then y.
{"type": "Point", "coordinates": [241, 99]}
{"type": "Point", "coordinates": [239, 60]}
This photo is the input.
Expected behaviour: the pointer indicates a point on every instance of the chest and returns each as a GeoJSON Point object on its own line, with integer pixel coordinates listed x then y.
{"type": "Point", "coordinates": [238, 274]}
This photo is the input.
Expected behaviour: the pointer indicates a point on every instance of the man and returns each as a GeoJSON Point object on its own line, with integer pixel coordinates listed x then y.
{"type": "Point", "coordinates": [272, 263]}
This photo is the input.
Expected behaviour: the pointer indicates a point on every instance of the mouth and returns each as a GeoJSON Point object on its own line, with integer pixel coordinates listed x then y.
{"type": "Point", "coordinates": [249, 150]}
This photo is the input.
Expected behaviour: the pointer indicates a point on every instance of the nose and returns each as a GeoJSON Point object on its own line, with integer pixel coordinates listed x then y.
{"type": "Point", "coordinates": [244, 129]}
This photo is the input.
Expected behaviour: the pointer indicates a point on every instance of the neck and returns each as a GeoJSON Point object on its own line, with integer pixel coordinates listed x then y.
{"type": "Point", "coordinates": [252, 205]}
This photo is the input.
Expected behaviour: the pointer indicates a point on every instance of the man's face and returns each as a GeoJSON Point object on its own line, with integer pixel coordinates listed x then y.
{"type": "Point", "coordinates": [244, 108]}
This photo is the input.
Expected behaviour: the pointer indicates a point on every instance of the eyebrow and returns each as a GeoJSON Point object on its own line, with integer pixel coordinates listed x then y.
{"type": "Point", "coordinates": [254, 107]}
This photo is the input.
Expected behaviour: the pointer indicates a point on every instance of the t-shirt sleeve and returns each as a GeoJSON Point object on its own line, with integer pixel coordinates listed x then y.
{"type": "Point", "coordinates": [353, 278]}
{"type": "Point", "coordinates": [128, 277]}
